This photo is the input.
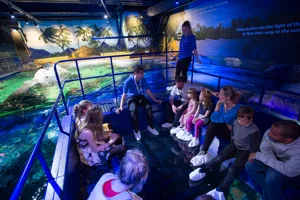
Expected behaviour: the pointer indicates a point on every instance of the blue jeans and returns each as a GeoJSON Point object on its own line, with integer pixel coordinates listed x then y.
{"type": "Point", "coordinates": [270, 180]}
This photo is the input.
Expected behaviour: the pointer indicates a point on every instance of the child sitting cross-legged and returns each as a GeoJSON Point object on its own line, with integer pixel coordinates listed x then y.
{"type": "Point", "coordinates": [200, 118]}
{"type": "Point", "coordinates": [245, 139]}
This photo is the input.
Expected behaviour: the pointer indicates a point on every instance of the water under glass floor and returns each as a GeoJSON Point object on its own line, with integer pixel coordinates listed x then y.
{"type": "Point", "coordinates": [169, 161]}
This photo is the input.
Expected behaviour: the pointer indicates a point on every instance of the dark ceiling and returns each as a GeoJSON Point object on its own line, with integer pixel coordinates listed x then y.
{"type": "Point", "coordinates": [64, 9]}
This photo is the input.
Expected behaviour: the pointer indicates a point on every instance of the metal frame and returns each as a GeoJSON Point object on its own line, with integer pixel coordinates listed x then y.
{"type": "Point", "coordinates": [37, 151]}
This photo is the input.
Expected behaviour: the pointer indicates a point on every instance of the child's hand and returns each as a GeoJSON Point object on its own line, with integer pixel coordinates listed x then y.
{"type": "Point", "coordinates": [195, 120]}
{"type": "Point", "coordinates": [252, 156]}
{"type": "Point", "coordinates": [179, 107]}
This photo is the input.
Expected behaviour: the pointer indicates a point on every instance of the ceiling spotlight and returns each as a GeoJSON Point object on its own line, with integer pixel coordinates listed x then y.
{"type": "Point", "coordinates": [12, 14]}
{"type": "Point", "coordinates": [105, 16]}
{"type": "Point", "coordinates": [141, 17]}
{"type": "Point", "coordinates": [177, 2]}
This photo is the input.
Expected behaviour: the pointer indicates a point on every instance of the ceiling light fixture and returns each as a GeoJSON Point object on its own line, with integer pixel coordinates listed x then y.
{"type": "Point", "coordinates": [177, 2]}
{"type": "Point", "coordinates": [105, 16]}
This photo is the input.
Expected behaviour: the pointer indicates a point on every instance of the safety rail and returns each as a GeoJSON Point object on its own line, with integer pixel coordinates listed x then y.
{"type": "Point", "coordinates": [37, 151]}
{"type": "Point", "coordinates": [113, 74]}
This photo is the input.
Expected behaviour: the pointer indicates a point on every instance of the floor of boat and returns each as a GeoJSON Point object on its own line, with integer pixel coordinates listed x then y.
{"type": "Point", "coordinates": [169, 161]}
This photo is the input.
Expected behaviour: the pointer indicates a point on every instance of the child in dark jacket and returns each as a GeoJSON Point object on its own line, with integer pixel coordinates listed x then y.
{"type": "Point", "coordinates": [245, 139]}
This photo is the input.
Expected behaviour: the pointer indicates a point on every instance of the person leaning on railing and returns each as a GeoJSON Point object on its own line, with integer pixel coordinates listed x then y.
{"type": "Point", "coordinates": [134, 88]}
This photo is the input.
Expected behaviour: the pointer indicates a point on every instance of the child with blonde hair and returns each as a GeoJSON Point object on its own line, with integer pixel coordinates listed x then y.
{"type": "Point", "coordinates": [200, 118]}
{"type": "Point", "coordinates": [93, 145]}
{"type": "Point", "coordinates": [191, 109]}
{"type": "Point", "coordinates": [80, 111]}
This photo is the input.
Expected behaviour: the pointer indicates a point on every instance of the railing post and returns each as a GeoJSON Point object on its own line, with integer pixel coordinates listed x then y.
{"type": "Point", "coordinates": [193, 62]}
{"type": "Point", "coordinates": [60, 88]}
{"type": "Point", "coordinates": [261, 96]}
{"type": "Point", "coordinates": [141, 59]}
{"type": "Point", "coordinates": [59, 124]}
{"type": "Point", "coordinates": [80, 81]}
{"type": "Point", "coordinates": [114, 81]}
{"type": "Point", "coordinates": [48, 174]}
{"type": "Point", "coordinates": [167, 74]}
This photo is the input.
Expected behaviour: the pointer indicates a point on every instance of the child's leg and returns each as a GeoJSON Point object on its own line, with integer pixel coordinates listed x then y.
{"type": "Point", "coordinates": [227, 153]}
{"type": "Point", "coordinates": [197, 129]}
{"type": "Point", "coordinates": [241, 157]}
{"type": "Point", "coordinates": [189, 124]}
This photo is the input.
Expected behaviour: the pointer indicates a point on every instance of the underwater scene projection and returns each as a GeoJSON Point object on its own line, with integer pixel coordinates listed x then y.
{"type": "Point", "coordinates": [255, 41]}
{"type": "Point", "coordinates": [27, 97]}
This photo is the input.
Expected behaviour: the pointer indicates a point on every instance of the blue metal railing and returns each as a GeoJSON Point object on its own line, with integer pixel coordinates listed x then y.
{"type": "Point", "coordinates": [37, 151]}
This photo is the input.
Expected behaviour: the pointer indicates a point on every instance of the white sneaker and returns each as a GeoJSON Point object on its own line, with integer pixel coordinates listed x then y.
{"type": "Point", "coordinates": [167, 125]}
{"type": "Point", "coordinates": [196, 175]}
{"type": "Point", "coordinates": [137, 135]}
{"type": "Point", "coordinates": [180, 133]}
{"type": "Point", "coordinates": [187, 137]}
{"type": "Point", "coordinates": [194, 142]}
{"type": "Point", "coordinates": [216, 194]}
{"type": "Point", "coordinates": [153, 131]}
{"type": "Point", "coordinates": [175, 130]}
{"type": "Point", "coordinates": [170, 88]}
{"type": "Point", "coordinates": [199, 160]}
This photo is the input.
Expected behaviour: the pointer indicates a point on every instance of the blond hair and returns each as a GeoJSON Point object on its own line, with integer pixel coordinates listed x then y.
{"type": "Point", "coordinates": [78, 110]}
{"type": "Point", "coordinates": [93, 122]}
{"type": "Point", "coordinates": [193, 92]}
{"type": "Point", "coordinates": [207, 98]}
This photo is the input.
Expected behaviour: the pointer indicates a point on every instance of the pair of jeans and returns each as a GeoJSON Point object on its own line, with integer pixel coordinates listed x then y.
{"type": "Point", "coordinates": [170, 115]}
{"type": "Point", "coordinates": [182, 66]}
{"type": "Point", "coordinates": [133, 103]}
{"type": "Point", "coordinates": [197, 128]}
{"type": "Point", "coordinates": [230, 151]}
{"type": "Point", "coordinates": [270, 180]}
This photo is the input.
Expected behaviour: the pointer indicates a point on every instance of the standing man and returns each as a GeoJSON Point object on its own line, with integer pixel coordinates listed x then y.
{"type": "Point", "coordinates": [134, 88]}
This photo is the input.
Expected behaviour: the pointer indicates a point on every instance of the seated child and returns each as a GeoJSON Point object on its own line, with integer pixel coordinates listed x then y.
{"type": "Point", "coordinates": [191, 109]}
{"type": "Point", "coordinates": [93, 145]}
{"type": "Point", "coordinates": [200, 118]}
{"type": "Point", "coordinates": [245, 138]}
{"type": "Point", "coordinates": [80, 111]}
{"type": "Point", "coordinates": [277, 165]}
{"type": "Point", "coordinates": [131, 178]}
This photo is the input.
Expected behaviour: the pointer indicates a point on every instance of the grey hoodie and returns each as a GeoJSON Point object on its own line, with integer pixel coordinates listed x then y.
{"type": "Point", "coordinates": [246, 137]}
{"type": "Point", "coordinates": [284, 158]}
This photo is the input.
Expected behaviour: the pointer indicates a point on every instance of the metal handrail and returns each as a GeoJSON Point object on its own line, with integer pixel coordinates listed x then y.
{"type": "Point", "coordinates": [37, 151]}
{"type": "Point", "coordinates": [107, 75]}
